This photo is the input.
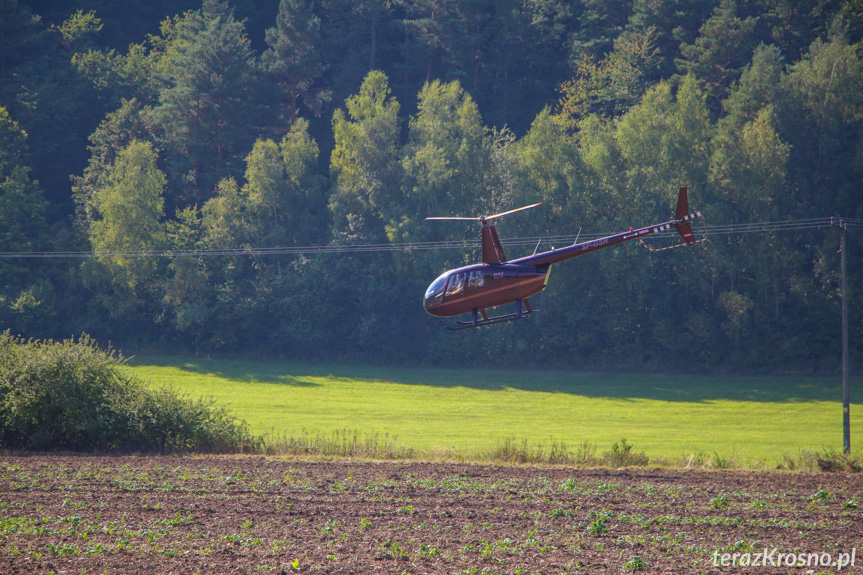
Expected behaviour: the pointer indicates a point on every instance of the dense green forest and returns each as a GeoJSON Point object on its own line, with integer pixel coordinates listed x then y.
{"type": "Point", "coordinates": [161, 126]}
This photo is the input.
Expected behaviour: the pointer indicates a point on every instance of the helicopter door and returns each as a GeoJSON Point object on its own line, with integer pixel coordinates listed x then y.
{"type": "Point", "coordinates": [455, 287]}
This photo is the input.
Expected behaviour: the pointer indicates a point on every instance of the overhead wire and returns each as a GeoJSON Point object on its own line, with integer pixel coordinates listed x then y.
{"type": "Point", "coordinates": [704, 230]}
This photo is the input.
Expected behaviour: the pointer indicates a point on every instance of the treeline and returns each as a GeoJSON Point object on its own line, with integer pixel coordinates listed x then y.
{"type": "Point", "coordinates": [333, 122]}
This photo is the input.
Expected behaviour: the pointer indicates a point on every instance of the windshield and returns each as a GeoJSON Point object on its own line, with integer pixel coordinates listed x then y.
{"type": "Point", "coordinates": [437, 286]}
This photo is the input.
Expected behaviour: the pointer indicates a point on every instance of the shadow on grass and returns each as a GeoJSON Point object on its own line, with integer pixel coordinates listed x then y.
{"type": "Point", "coordinates": [621, 386]}
{"type": "Point", "coordinates": [244, 371]}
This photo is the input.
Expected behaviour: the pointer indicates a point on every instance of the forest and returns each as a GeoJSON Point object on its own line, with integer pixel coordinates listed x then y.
{"type": "Point", "coordinates": [155, 155]}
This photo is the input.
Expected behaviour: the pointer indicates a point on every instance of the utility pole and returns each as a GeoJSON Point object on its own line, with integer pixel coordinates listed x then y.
{"type": "Point", "coordinates": [846, 398]}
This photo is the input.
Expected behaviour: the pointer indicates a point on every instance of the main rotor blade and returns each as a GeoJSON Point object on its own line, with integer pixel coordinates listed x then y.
{"type": "Point", "coordinates": [484, 218]}
{"type": "Point", "coordinates": [511, 211]}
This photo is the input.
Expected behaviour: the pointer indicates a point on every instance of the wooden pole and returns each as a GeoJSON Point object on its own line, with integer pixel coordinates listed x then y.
{"type": "Point", "coordinates": [846, 399]}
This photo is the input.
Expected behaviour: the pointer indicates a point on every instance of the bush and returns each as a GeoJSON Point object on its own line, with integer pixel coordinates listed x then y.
{"type": "Point", "coordinates": [621, 455]}
{"type": "Point", "coordinates": [72, 395]}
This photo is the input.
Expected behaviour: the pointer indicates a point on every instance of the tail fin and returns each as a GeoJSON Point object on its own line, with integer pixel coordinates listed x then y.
{"type": "Point", "coordinates": [682, 204]}
{"type": "Point", "coordinates": [682, 217]}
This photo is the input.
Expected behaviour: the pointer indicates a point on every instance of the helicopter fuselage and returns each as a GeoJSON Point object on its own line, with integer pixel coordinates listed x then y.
{"type": "Point", "coordinates": [480, 286]}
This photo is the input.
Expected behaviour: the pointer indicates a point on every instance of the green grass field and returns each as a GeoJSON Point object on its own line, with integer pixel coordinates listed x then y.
{"type": "Point", "coordinates": [752, 420]}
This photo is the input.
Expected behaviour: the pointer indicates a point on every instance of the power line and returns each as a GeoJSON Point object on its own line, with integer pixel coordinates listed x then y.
{"type": "Point", "coordinates": [704, 230]}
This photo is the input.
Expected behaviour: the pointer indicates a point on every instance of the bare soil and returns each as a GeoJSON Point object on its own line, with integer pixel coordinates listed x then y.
{"type": "Point", "coordinates": [88, 514]}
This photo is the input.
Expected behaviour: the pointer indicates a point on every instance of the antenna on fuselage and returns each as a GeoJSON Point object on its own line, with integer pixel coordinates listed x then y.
{"type": "Point", "coordinates": [575, 243]}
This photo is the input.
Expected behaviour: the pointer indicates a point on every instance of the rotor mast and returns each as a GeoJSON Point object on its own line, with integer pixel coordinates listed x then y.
{"type": "Point", "coordinates": [492, 250]}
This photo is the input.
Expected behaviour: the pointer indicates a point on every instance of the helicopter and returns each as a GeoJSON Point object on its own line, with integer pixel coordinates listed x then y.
{"type": "Point", "coordinates": [497, 281]}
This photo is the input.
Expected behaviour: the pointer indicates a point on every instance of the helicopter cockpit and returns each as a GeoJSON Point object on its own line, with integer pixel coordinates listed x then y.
{"type": "Point", "coordinates": [452, 284]}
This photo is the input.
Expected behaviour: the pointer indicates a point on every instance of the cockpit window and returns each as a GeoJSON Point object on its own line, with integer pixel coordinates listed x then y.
{"type": "Point", "coordinates": [456, 284]}
{"type": "Point", "coordinates": [475, 280]}
{"type": "Point", "coordinates": [436, 288]}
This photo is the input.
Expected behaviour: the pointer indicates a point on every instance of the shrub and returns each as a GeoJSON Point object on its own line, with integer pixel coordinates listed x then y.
{"type": "Point", "coordinates": [621, 455]}
{"type": "Point", "coordinates": [72, 395]}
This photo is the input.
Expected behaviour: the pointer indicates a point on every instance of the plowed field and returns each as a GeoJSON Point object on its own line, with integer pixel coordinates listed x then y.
{"type": "Point", "coordinates": [217, 515]}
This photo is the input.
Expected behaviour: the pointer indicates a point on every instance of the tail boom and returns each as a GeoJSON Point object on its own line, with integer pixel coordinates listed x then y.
{"type": "Point", "coordinates": [681, 223]}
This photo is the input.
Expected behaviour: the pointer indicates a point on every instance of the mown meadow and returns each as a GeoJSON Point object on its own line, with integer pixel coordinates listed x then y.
{"type": "Point", "coordinates": [467, 413]}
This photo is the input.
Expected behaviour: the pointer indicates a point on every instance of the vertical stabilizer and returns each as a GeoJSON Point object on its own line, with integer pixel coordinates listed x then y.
{"type": "Point", "coordinates": [682, 204]}
{"type": "Point", "coordinates": [682, 216]}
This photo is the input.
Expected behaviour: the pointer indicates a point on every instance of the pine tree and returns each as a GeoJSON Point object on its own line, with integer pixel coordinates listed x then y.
{"type": "Point", "coordinates": [293, 61]}
{"type": "Point", "coordinates": [207, 111]}
{"type": "Point", "coordinates": [723, 47]}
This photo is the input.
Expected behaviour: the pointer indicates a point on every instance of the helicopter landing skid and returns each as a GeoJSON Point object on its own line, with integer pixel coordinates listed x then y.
{"type": "Point", "coordinates": [522, 310]}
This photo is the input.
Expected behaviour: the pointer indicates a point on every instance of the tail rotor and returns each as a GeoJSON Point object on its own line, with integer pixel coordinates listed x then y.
{"type": "Point", "coordinates": [682, 223]}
